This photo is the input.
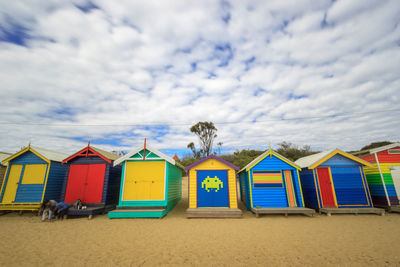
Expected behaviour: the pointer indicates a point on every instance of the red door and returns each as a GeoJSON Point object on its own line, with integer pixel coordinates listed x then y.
{"type": "Point", "coordinates": [85, 182]}
{"type": "Point", "coordinates": [94, 183]}
{"type": "Point", "coordinates": [76, 183]}
{"type": "Point", "coordinates": [325, 186]}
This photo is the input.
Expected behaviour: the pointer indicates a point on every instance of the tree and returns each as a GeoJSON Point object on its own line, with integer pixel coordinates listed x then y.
{"type": "Point", "coordinates": [206, 132]}
{"type": "Point", "coordinates": [196, 154]}
{"type": "Point", "coordinates": [219, 144]}
{"type": "Point", "coordinates": [292, 151]}
{"type": "Point", "coordinates": [242, 158]}
{"type": "Point", "coordinates": [119, 152]}
{"type": "Point", "coordinates": [376, 144]}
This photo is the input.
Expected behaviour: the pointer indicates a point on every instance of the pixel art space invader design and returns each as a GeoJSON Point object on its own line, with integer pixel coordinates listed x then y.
{"type": "Point", "coordinates": [212, 183]}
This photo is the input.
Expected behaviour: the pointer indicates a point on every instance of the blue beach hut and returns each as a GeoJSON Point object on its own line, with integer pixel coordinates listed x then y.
{"type": "Point", "coordinates": [333, 181]}
{"type": "Point", "coordinates": [270, 184]}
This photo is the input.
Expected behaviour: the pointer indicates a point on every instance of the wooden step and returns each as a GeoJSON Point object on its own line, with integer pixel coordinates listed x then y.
{"type": "Point", "coordinates": [283, 210]}
{"type": "Point", "coordinates": [213, 213]}
{"type": "Point", "coordinates": [138, 210]}
{"type": "Point", "coordinates": [356, 211]}
{"type": "Point", "coordinates": [394, 208]}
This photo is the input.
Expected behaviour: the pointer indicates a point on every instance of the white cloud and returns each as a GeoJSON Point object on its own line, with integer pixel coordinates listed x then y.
{"type": "Point", "coordinates": [172, 63]}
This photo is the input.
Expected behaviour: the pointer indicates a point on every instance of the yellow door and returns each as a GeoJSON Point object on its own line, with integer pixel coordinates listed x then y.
{"type": "Point", "coordinates": [12, 184]}
{"type": "Point", "coordinates": [144, 180]}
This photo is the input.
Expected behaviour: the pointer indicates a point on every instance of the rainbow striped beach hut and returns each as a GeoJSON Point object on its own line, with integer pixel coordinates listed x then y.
{"type": "Point", "coordinates": [383, 176]}
{"type": "Point", "coordinates": [270, 184]}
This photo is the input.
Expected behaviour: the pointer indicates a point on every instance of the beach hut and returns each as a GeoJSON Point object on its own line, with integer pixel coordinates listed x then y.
{"type": "Point", "coordinates": [383, 176]}
{"type": "Point", "coordinates": [212, 189]}
{"type": "Point", "coordinates": [3, 167]}
{"type": "Point", "coordinates": [333, 181]}
{"type": "Point", "coordinates": [270, 185]}
{"type": "Point", "coordinates": [33, 174]}
{"type": "Point", "coordinates": [92, 178]}
{"type": "Point", "coordinates": [151, 184]}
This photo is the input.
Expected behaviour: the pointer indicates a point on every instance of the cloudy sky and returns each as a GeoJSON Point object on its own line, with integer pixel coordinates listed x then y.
{"type": "Point", "coordinates": [323, 73]}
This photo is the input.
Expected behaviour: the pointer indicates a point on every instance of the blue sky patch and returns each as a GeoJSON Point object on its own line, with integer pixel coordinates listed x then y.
{"type": "Point", "coordinates": [87, 7]}
{"type": "Point", "coordinates": [14, 33]}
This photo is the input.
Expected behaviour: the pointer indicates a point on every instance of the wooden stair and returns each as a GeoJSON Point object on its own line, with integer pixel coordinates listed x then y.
{"type": "Point", "coordinates": [213, 213]}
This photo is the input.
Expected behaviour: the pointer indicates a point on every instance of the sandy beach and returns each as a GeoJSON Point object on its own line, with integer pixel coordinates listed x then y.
{"type": "Point", "coordinates": [174, 240]}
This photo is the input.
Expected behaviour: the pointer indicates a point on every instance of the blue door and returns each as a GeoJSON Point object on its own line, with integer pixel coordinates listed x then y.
{"type": "Point", "coordinates": [212, 189]}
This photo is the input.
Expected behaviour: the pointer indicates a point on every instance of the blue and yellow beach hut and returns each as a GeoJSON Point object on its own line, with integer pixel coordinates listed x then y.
{"type": "Point", "coordinates": [270, 184]}
{"type": "Point", "coordinates": [333, 181]}
{"type": "Point", "coordinates": [212, 189]}
{"type": "Point", "coordinates": [151, 184]}
{"type": "Point", "coordinates": [33, 174]}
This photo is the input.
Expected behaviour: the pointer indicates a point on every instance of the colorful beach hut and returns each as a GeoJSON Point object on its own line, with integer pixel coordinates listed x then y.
{"type": "Point", "coordinates": [270, 185]}
{"type": "Point", "coordinates": [212, 189]}
{"type": "Point", "coordinates": [92, 178]}
{"type": "Point", "coordinates": [3, 167]}
{"type": "Point", "coordinates": [333, 181]}
{"type": "Point", "coordinates": [383, 176]}
{"type": "Point", "coordinates": [151, 184]}
{"type": "Point", "coordinates": [33, 174]}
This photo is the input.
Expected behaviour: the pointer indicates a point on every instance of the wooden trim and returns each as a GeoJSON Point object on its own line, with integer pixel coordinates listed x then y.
{"type": "Point", "coordinates": [366, 189]}
{"type": "Point", "coordinates": [383, 180]}
{"type": "Point", "coordinates": [86, 150]}
{"type": "Point", "coordinates": [300, 187]}
{"type": "Point", "coordinates": [271, 153]}
{"type": "Point", "coordinates": [317, 186]}
{"type": "Point", "coordinates": [251, 192]}
{"type": "Point", "coordinates": [337, 151]}
{"type": "Point", "coordinates": [28, 148]}
{"type": "Point", "coordinates": [46, 180]}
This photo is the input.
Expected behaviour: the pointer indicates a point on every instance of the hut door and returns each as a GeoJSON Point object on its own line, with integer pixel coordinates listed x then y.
{"type": "Point", "coordinates": [76, 180]}
{"type": "Point", "coordinates": [395, 170]}
{"type": "Point", "coordinates": [94, 183]}
{"type": "Point", "coordinates": [212, 189]}
{"type": "Point", "coordinates": [289, 188]}
{"type": "Point", "coordinates": [144, 180]}
{"type": "Point", "coordinates": [325, 185]}
{"type": "Point", "coordinates": [12, 184]}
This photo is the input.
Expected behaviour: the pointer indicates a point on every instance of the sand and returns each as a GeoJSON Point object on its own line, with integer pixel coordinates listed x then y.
{"type": "Point", "coordinates": [174, 240]}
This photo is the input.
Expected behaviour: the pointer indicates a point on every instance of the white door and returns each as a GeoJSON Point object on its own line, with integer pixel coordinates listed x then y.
{"type": "Point", "coordinates": [395, 170]}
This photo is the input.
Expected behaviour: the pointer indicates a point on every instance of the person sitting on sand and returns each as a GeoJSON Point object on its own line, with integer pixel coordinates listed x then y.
{"type": "Point", "coordinates": [61, 209]}
{"type": "Point", "coordinates": [48, 208]}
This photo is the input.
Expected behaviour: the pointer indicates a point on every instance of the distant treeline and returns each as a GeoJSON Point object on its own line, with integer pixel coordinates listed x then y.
{"type": "Point", "coordinates": [287, 149]}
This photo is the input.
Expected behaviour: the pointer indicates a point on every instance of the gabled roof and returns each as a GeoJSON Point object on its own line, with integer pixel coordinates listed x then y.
{"type": "Point", "coordinates": [151, 149]}
{"type": "Point", "coordinates": [315, 160]}
{"type": "Point", "coordinates": [382, 148]}
{"type": "Point", "coordinates": [107, 156]}
{"type": "Point", "coordinates": [264, 155]}
{"type": "Point", "coordinates": [46, 154]}
{"type": "Point", "coordinates": [4, 155]}
{"type": "Point", "coordinates": [212, 157]}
